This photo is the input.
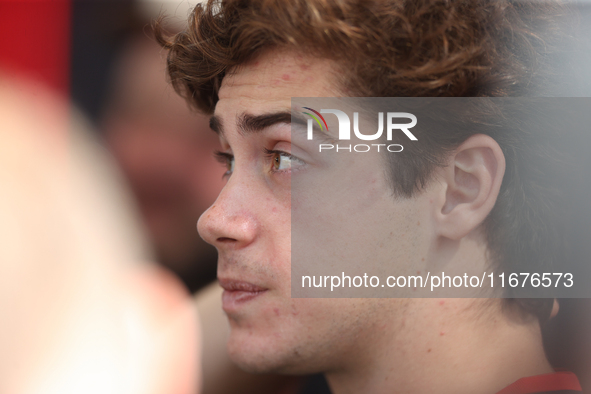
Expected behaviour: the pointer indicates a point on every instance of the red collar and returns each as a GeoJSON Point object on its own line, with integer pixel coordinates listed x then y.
{"type": "Point", "coordinates": [561, 380]}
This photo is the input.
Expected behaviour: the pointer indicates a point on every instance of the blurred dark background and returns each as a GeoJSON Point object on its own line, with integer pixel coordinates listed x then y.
{"type": "Point", "coordinates": [163, 148]}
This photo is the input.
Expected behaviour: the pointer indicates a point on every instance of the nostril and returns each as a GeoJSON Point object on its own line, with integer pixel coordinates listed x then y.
{"type": "Point", "coordinates": [225, 239]}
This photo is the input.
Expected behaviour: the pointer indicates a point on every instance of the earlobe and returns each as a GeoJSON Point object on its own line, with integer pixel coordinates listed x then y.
{"type": "Point", "coordinates": [473, 179]}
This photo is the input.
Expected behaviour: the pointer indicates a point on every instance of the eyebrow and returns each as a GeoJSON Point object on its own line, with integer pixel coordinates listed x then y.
{"type": "Point", "coordinates": [215, 123]}
{"type": "Point", "coordinates": [248, 123]}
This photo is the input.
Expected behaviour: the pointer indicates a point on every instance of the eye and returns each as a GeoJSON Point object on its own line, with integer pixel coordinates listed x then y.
{"type": "Point", "coordinates": [281, 161]}
{"type": "Point", "coordinates": [227, 159]}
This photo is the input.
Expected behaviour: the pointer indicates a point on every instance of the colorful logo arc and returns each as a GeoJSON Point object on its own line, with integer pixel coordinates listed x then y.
{"type": "Point", "coordinates": [316, 118]}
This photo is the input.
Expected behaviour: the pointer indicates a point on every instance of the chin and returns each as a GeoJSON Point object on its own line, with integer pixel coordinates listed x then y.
{"type": "Point", "coordinates": [266, 354]}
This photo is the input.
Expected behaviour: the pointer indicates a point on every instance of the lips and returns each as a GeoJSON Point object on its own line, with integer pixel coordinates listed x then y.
{"type": "Point", "coordinates": [237, 293]}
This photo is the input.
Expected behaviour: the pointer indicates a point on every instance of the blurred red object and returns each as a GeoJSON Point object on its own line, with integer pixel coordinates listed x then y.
{"type": "Point", "coordinates": [35, 40]}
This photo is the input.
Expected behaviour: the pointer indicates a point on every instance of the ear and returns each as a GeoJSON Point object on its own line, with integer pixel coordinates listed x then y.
{"type": "Point", "coordinates": [472, 180]}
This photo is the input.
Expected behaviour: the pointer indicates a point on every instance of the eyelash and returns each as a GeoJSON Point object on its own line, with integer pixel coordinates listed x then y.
{"type": "Point", "coordinates": [226, 159]}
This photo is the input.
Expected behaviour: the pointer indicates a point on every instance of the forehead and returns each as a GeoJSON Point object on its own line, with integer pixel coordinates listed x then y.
{"type": "Point", "coordinates": [270, 80]}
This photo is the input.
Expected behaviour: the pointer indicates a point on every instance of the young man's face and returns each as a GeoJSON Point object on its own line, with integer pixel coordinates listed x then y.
{"type": "Point", "coordinates": [250, 225]}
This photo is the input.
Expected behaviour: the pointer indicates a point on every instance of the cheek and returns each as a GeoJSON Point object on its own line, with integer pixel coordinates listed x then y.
{"type": "Point", "coordinates": [279, 253]}
{"type": "Point", "coordinates": [277, 232]}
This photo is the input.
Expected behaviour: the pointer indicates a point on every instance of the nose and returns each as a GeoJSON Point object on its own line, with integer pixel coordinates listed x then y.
{"type": "Point", "coordinates": [231, 221]}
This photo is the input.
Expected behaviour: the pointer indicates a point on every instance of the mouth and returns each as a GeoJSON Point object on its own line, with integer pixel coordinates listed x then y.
{"type": "Point", "coordinates": [237, 293]}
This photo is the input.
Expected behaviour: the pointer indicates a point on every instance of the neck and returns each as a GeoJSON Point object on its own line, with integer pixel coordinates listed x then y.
{"type": "Point", "coordinates": [444, 346]}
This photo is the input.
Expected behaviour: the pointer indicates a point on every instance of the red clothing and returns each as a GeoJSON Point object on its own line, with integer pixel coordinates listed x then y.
{"type": "Point", "coordinates": [557, 382]}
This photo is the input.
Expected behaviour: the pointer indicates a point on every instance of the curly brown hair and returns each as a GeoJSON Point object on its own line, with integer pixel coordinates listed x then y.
{"type": "Point", "coordinates": [406, 48]}
{"type": "Point", "coordinates": [386, 48]}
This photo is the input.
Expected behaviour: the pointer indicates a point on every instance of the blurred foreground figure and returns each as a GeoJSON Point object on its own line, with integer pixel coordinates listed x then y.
{"type": "Point", "coordinates": [79, 312]}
